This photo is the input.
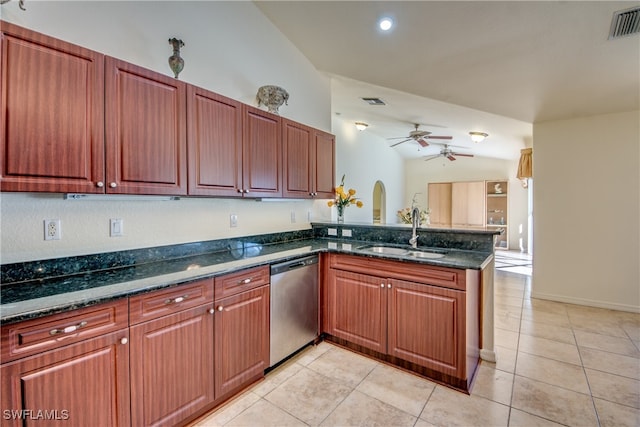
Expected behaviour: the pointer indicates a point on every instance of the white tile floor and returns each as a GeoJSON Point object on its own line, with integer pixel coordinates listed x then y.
{"type": "Point", "coordinates": [558, 364]}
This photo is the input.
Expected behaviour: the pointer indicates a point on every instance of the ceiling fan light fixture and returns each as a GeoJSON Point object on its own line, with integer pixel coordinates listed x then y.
{"type": "Point", "coordinates": [478, 136]}
{"type": "Point", "coordinates": [361, 126]}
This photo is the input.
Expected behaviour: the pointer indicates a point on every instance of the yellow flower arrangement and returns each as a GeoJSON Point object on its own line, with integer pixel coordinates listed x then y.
{"type": "Point", "coordinates": [344, 198]}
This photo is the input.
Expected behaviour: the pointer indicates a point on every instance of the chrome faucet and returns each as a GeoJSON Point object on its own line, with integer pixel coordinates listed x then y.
{"type": "Point", "coordinates": [415, 222]}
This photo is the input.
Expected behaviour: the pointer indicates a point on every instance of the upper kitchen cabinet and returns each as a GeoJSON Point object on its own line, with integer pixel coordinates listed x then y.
{"type": "Point", "coordinates": [52, 106]}
{"type": "Point", "coordinates": [215, 143]}
{"type": "Point", "coordinates": [146, 141]}
{"type": "Point", "coordinates": [309, 163]}
{"type": "Point", "coordinates": [261, 153]}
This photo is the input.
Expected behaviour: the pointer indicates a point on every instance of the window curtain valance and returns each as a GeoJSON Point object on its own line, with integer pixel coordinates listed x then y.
{"type": "Point", "coordinates": [525, 167]}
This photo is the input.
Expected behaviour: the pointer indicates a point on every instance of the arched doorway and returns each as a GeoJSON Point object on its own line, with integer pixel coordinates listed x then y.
{"type": "Point", "coordinates": [379, 203]}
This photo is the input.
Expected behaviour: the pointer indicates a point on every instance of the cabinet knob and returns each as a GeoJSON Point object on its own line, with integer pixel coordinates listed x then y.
{"type": "Point", "coordinates": [212, 310]}
{"type": "Point", "coordinates": [246, 191]}
{"type": "Point", "coordinates": [99, 184]}
{"type": "Point", "coordinates": [240, 190]}
{"type": "Point", "coordinates": [382, 285]}
{"type": "Point", "coordinates": [389, 286]}
{"type": "Point", "coordinates": [113, 185]}
{"type": "Point", "coordinates": [220, 308]}
{"type": "Point", "coordinates": [124, 340]}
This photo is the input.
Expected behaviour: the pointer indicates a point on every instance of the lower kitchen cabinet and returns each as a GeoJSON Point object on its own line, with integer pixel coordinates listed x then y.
{"type": "Point", "coordinates": [404, 312]}
{"type": "Point", "coordinates": [425, 325]}
{"type": "Point", "coordinates": [82, 384]}
{"type": "Point", "coordinates": [172, 367]}
{"type": "Point", "coordinates": [241, 339]}
{"type": "Point", "coordinates": [358, 309]}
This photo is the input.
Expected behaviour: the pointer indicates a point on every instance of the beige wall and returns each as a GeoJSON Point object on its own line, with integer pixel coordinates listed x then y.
{"type": "Point", "coordinates": [366, 158]}
{"type": "Point", "coordinates": [587, 211]}
{"type": "Point", "coordinates": [230, 48]}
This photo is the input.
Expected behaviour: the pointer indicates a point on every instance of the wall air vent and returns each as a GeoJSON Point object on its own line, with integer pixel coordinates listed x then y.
{"type": "Point", "coordinates": [625, 23]}
{"type": "Point", "coordinates": [374, 101]}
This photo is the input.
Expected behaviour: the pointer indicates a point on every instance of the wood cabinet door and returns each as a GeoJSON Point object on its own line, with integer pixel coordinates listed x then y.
{"type": "Point", "coordinates": [357, 308]}
{"type": "Point", "coordinates": [440, 203]}
{"type": "Point", "coordinates": [297, 172]}
{"type": "Point", "coordinates": [325, 165]}
{"type": "Point", "coordinates": [468, 204]}
{"type": "Point", "coordinates": [426, 326]}
{"type": "Point", "coordinates": [52, 114]}
{"type": "Point", "coordinates": [214, 143]}
{"type": "Point", "coordinates": [261, 153]}
{"type": "Point", "coordinates": [83, 384]}
{"type": "Point", "coordinates": [145, 128]}
{"type": "Point", "coordinates": [241, 339]}
{"type": "Point", "coordinates": [172, 367]}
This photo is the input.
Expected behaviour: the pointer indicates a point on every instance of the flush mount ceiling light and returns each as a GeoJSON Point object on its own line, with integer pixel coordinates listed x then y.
{"type": "Point", "coordinates": [478, 136]}
{"type": "Point", "coordinates": [385, 23]}
{"type": "Point", "coordinates": [361, 125]}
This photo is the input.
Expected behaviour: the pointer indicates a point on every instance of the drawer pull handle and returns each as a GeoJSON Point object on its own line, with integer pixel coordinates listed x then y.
{"type": "Point", "coordinates": [68, 329]}
{"type": "Point", "coordinates": [245, 281]}
{"type": "Point", "coordinates": [176, 300]}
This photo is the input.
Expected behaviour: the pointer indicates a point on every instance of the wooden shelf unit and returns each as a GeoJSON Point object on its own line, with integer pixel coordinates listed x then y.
{"type": "Point", "coordinates": [497, 205]}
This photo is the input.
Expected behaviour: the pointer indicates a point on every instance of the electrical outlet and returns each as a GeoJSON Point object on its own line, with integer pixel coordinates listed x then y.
{"type": "Point", "coordinates": [309, 216]}
{"type": "Point", "coordinates": [293, 217]}
{"type": "Point", "coordinates": [52, 229]}
{"type": "Point", "coordinates": [233, 220]}
{"type": "Point", "coordinates": [116, 227]}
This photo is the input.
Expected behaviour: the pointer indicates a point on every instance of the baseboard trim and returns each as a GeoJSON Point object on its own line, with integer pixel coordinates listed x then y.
{"type": "Point", "coordinates": [488, 355]}
{"type": "Point", "coordinates": [587, 302]}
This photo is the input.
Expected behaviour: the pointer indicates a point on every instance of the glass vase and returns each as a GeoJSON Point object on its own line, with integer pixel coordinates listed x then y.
{"type": "Point", "coordinates": [340, 214]}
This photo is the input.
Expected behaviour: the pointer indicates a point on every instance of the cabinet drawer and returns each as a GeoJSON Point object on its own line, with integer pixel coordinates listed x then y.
{"type": "Point", "coordinates": [37, 335]}
{"type": "Point", "coordinates": [160, 303]}
{"type": "Point", "coordinates": [231, 284]}
{"type": "Point", "coordinates": [415, 272]}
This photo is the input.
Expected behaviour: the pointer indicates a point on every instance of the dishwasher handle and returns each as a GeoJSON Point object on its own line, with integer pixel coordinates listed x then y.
{"type": "Point", "coordinates": [293, 264]}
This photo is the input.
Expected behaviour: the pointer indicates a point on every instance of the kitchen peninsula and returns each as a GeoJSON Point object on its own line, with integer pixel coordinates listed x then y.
{"type": "Point", "coordinates": [178, 285]}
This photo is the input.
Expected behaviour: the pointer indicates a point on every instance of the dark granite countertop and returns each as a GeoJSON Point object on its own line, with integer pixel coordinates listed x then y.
{"type": "Point", "coordinates": [27, 299]}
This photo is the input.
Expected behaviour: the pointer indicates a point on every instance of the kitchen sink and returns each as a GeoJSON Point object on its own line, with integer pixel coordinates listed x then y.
{"type": "Point", "coordinates": [413, 253]}
{"type": "Point", "coordinates": [386, 250]}
{"type": "Point", "coordinates": [425, 255]}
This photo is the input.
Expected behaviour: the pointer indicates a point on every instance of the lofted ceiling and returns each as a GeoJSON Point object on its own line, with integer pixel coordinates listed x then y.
{"type": "Point", "coordinates": [460, 66]}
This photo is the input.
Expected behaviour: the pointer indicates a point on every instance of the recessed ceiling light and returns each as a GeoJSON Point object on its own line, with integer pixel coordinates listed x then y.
{"type": "Point", "coordinates": [385, 23]}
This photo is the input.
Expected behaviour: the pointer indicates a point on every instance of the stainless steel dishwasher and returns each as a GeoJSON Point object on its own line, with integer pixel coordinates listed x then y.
{"type": "Point", "coordinates": [294, 306]}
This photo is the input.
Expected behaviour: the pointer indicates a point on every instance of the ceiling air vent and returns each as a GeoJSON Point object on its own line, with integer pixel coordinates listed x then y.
{"type": "Point", "coordinates": [625, 22]}
{"type": "Point", "coordinates": [374, 101]}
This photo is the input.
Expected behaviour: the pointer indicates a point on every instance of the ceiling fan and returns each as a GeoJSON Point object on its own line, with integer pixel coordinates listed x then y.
{"type": "Point", "coordinates": [420, 136]}
{"type": "Point", "coordinates": [447, 152]}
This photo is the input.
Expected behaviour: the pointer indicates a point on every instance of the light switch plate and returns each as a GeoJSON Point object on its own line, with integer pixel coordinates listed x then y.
{"type": "Point", "coordinates": [233, 220]}
{"type": "Point", "coordinates": [116, 227]}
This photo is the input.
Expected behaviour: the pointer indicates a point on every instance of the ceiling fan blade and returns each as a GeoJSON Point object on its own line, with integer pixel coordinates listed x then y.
{"type": "Point", "coordinates": [422, 142]}
{"type": "Point", "coordinates": [450, 157]}
{"type": "Point", "coordinates": [439, 137]}
{"type": "Point", "coordinates": [462, 154]}
{"type": "Point", "coordinates": [399, 137]}
{"type": "Point", "coordinates": [435, 156]}
{"type": "Point", "coordinates": [398, 143]}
